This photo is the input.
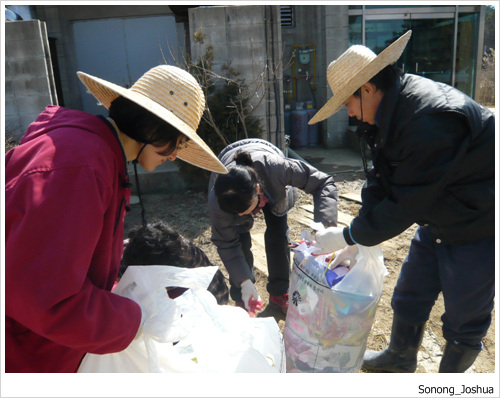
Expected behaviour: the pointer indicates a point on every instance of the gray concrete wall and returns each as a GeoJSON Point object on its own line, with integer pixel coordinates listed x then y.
{"type": "Point", "coordinates": [247, 37]}
{"type": "Point", "coordinates": [29, 80]}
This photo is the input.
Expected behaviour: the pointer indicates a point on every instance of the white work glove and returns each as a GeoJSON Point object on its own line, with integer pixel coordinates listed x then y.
{"type": "Point", "coordinates": [329, 240]}
{"type": "Point", "coordinates": [250, 297]}
{"type": "Point", "coordinates": [345, 256]}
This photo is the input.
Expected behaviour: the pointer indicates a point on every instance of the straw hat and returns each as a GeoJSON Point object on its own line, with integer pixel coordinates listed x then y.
{"type": "Point", "coordinates": [356, 66]}
{"type": "Point", "coordinates": [173, 95]}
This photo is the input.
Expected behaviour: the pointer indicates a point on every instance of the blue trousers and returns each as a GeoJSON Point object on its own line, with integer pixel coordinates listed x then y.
{"type": "Point", "coordinates": [276, 240]}
{"type": "Point", "coordinates": [465, 274]}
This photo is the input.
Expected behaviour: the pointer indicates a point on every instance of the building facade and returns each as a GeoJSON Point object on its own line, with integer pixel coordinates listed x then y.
{"type": "Point", "coordinates": [293, 45]}
{"type": "Point", "coordinates": [446, 46]}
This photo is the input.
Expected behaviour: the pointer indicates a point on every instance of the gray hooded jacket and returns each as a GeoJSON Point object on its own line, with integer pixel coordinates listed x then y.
{"type": "Point", "coordinates": [281, 177]}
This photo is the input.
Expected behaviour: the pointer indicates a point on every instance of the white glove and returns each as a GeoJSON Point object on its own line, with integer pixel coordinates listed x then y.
{"type": "Point", "coordinates": [329, 240]}
{"type": "Point", "coordinates": [345, 256]}
{"type": "Point", "coordinates": [250, 297]}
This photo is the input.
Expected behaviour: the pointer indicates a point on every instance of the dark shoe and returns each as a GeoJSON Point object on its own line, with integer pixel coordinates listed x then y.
{"type": "Point", "coordinates": [279, 302]}
{"type": "Point", "coordinates": [401, 355]}
{"type": "Point", "coordinates": [457, 357]}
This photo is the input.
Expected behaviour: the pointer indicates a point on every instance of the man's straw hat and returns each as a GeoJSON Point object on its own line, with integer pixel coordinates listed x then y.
{"type": "Point", "coordinates": [173, 95]}
{"type": "Point", "coordinates": [356, 66]}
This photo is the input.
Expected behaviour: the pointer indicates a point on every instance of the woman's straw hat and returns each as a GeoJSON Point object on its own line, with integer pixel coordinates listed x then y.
{"type": "Point", "coordinates": [173, 95]}
{"type": "Point", "coordinates": [356, 66]}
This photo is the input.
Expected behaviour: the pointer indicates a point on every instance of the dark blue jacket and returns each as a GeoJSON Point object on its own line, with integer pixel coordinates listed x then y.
{"type": "Point", "coordinates": [433, 152]}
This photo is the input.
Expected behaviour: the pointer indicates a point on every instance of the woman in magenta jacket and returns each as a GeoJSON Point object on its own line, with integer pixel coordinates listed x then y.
{"type": "Point", "coordinates": [66, 194]}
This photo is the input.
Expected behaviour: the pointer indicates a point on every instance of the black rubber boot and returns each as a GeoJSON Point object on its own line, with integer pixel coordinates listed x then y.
{"type": "Point", "coordinates": [401, 355]}
{"type": "Point", "coordinates": [457, 357]}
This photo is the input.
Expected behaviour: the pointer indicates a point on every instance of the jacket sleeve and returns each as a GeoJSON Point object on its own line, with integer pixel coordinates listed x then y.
{"type": "Point", "coordinates": [435, 145]}
{"type": "Point", "coordinates": [320, 185]}
{"type": "Point", "coordinates": [225, 236]}
{"type": "Point", "coordinates": [371, 193]}
{"type": "Point", "coordinates": [55, 221]}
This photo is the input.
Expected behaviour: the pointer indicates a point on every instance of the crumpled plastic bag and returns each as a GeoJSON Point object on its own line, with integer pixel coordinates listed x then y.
{"type": "Point", "coordinates": [327, 327]}
{"type": "Point", "coordinates": [190, 333]}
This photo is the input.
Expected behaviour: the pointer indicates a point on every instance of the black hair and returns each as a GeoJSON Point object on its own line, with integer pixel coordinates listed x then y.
{"type": "Point", "coordinates": [160, 244]}
{"type": "Point", "coordinates": [141, 125]}
{"type": "Point", "coordinates": [385, 79]}
{"type": "Point", "coordinates": [236, 189]}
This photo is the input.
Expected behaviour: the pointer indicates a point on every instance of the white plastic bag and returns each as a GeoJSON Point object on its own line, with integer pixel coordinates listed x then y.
{"type": "Point", "coordinates": [326, 328]}
{"type": "Point", "coordinates": [190, 333]}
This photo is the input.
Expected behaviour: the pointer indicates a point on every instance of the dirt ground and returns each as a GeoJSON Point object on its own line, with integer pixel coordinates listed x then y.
{"type": "Point", "coordinates": [187, 212]}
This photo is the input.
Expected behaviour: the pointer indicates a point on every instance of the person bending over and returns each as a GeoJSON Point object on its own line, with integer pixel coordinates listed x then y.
{"type": "Point", "coordinates": [433, 153]}
{"type": "Point", "coordinates": [260, 177]}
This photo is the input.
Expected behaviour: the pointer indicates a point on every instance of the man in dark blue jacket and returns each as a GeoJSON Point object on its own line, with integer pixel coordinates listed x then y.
{"type": "Point", "coordinates": [433, 153]}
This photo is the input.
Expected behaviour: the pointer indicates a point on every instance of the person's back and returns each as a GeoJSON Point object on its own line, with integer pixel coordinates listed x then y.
{"type": "Point", "coordinates": [67, 160]}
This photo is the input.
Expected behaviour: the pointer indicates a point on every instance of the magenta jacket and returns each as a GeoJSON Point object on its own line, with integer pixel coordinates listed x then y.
{"type": "Point", "coordinates": [66, 191]}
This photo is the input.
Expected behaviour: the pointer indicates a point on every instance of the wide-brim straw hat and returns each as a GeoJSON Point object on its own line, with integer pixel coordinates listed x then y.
{"type": "Point", "coordinates": [355, 67]}
{"type": "Point", "coordinates": [173, 95]}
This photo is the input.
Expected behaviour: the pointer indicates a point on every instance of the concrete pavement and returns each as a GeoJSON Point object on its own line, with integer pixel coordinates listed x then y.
{"type": "Point", "coordinates": [331, 161]}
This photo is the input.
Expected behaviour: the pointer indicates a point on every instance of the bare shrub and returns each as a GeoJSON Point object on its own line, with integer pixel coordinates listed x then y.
{"type": "Point", "coordinates": [486, 95]}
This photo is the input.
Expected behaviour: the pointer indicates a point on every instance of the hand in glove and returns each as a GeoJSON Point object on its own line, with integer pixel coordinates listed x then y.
{"type": "Point", "coordinates": [250, 297]}
{"type": "Point", "coordinates": [329, 240]}
{"type": "Point", "coordinates": [345, 256]}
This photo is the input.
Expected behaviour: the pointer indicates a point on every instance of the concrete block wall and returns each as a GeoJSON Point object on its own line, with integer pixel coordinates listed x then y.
{"type": "Point", "coordinates": [245, 36]}
{"type": "Point", "coordinates": [29, 80]}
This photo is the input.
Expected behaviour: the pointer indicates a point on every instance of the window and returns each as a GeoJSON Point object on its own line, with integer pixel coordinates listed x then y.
{"type": "Point", "coordinates": [287, 20]}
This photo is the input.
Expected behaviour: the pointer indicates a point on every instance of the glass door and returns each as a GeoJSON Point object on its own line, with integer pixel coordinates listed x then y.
{"type": "Point", "coordinates": [442, 47]}
{"type": "Point", "coordinates": [430, 50]}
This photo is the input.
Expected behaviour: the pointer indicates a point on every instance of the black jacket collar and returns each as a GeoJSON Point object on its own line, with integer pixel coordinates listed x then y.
{"type": "Point", "coordinates": [384, 114]}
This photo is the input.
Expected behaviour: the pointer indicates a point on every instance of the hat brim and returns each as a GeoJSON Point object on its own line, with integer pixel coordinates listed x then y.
{"type": "Point", "coordinates": [387, 57]}
{"type": "Point", "coordinates": [197, 152]}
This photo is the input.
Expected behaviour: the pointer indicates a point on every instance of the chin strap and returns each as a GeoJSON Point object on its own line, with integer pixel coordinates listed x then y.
{"type": "Point", "coordinates": [366, 133]}
{"type": "Point", "coordinates": [143, 211]}
{"type": "Point", "coordinates": [362, 139]}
